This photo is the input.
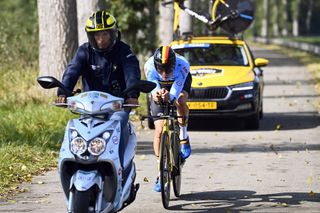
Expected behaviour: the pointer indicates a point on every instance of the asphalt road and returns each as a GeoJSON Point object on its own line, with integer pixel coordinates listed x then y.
{"type": "Point", "coordinates": [273, 169]}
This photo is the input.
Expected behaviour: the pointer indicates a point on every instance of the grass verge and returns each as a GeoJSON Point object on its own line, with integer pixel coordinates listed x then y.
{"type": "Point", "coordinates": [29, 143]}
{"type": "Point", "coordinates": [31, 130]}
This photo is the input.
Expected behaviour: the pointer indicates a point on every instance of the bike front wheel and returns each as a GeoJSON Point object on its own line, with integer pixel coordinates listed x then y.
{"type": "Point", "coordinates": [165, 169]}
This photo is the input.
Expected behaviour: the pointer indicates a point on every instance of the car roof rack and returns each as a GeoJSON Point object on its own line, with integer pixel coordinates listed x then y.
{"type": "Point", "coordinates": [188, 36]}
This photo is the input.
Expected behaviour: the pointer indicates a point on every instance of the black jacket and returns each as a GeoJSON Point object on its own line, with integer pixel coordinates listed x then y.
{"type": "Point", "coordinates": [110, 72]}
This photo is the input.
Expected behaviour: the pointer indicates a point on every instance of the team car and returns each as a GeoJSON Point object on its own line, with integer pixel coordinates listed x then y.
{"type": "Point", "coordinates": [227, 81]}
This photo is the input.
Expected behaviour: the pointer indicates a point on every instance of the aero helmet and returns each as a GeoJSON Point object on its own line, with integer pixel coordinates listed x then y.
{"type": "Point", "coordinates": [164, 59]}
{"type": "Point", "coordinates": [102, 21]}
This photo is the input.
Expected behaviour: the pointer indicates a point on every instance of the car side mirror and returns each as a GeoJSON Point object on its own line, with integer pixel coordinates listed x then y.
{"type": "Point", "coordinates": [261, 62]}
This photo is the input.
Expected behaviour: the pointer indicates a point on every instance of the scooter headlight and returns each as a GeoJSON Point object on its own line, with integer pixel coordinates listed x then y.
{"type": "Point", "coordinates": [97, 146]}
{"type": "Point", "coordinates": [78, 146]}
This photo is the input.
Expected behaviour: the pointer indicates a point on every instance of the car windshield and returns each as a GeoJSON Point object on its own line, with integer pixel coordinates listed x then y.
{"type": "Point", "coordinates": [213, 54]}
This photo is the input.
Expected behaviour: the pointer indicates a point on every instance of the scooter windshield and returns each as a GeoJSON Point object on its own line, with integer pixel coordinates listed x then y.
{"type": "Point", "coordinates": [94, 103]}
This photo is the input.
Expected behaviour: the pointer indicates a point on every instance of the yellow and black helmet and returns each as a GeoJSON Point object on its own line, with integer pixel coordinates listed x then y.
{"type": "Point", "coordinates": [102, 21]}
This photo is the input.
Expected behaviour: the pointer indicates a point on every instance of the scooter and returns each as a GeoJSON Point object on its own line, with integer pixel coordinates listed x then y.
{"type": "Point", "coordinates": [93, 175]}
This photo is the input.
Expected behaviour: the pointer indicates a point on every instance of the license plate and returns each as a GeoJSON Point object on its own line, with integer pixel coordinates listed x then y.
{"type": "Point", "coordinates": [202, 105]}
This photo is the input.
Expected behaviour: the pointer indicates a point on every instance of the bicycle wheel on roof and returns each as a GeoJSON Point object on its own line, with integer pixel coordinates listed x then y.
{"type": "Point", "coordinates": [238, 14]}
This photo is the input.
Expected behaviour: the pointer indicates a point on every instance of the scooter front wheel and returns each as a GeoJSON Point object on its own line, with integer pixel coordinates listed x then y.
{"type": "Point", "coordinates": [81, 201]}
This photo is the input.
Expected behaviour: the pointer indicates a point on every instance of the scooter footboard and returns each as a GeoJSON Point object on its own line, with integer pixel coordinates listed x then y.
{"type": "Point", "coordinates": [84, 180]}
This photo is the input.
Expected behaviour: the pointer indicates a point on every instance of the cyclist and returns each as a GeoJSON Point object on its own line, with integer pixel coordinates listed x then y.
{"type": "Point", "coordinates": [170, 72]}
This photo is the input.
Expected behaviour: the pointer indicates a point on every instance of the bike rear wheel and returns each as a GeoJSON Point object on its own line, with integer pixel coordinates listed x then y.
{"type": "Point", "coordinates": [176, 173]}
{"type": "Point", "coordinates": [165, 169]}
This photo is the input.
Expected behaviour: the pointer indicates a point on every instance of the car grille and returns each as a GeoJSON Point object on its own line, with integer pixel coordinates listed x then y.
{"type": "Point", "coordinates": [209, 93]}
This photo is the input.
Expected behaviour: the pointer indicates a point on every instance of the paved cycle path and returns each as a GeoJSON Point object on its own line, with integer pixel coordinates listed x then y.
{"type": "Point", "coordinates": [273, 169]}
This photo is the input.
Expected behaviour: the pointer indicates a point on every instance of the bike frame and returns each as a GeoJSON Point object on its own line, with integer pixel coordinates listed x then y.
{"type": "Point", "coordinates": [169, 121]}
{"type": "Point", "coordinates": [213, 21]}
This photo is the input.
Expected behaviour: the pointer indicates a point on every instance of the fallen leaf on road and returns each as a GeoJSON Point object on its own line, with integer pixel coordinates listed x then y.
{"type": "Point", "coordinates": [309, 180]}
{"type": "Point", "coordinates": [284, 204]}
{"type": "Point", "coordinates": [311, 194]}
{"type": "Point", "coordinates": [278, 127]}
{"type": "Point", "coordinates": [273, 149]}
{"type": "Point", "coordinates": [24, 190]}
{"type": "Point", "coordinates": [145, 179]}
{"type": "Point", "coordinates": [142, 157]}
{"type": "Point", "coordinates": [298, 84]}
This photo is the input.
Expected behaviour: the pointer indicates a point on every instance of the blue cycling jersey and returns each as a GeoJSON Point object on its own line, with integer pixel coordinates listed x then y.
{"type": "Point", "coordinates": [176, 80]}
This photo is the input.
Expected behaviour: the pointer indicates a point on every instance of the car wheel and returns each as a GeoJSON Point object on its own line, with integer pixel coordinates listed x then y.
{"type": "Point", "coordinates": [253, 122]}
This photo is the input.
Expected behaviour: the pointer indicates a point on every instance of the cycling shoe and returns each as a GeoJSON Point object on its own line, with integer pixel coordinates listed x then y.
{"type": "Point", "coordinates": [185, 148]}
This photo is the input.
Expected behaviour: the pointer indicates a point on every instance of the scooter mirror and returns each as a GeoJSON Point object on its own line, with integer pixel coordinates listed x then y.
{"type": "Point", "coordinates": [48, 82]}
{"type": "Point", "coordinates": [146, 86]}
{"type": "Point", "coordinates": [142, 86]}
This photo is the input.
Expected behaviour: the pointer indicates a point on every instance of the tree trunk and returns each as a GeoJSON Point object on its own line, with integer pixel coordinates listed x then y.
{"type": "Point", "coordinates": [185, 20]}
{"type": "Point", "coordinates": [295, 18]}
{"type": "Point", "coordinates": [84, 11]}
{"type": "Point", "coordinates": [165, 24]}
{"type": "Point", "coordinates": [275, 20]}
{"type": "Point", "coordinates": [309, 15]}
{"type": "Point", "coordinates": [284, 31]}
{"type": "Point", "coordinates": [265, 21]}
{"type": "Point", "coordinates": [58, 37]}
{"type": "Point", "coordinates": [152, 25]}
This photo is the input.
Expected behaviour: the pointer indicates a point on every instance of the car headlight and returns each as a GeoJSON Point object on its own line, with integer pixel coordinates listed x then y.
{"type": "Point", "coordinates": [97, 146]}
{"type": "Point", "coordinates": [244, 86]}
{"type": "Point", "coordinates": [78, 146]}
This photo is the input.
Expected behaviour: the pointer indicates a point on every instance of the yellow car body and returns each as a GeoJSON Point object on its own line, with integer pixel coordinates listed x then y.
{"type": "Point", "coordinates": [228, 87]}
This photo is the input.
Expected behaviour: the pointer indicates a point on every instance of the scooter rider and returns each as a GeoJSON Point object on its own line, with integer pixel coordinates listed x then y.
{"type": "Point", "coordinates": [105, 64]}
{"type": "Point", "coordinates": [171, 73]}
